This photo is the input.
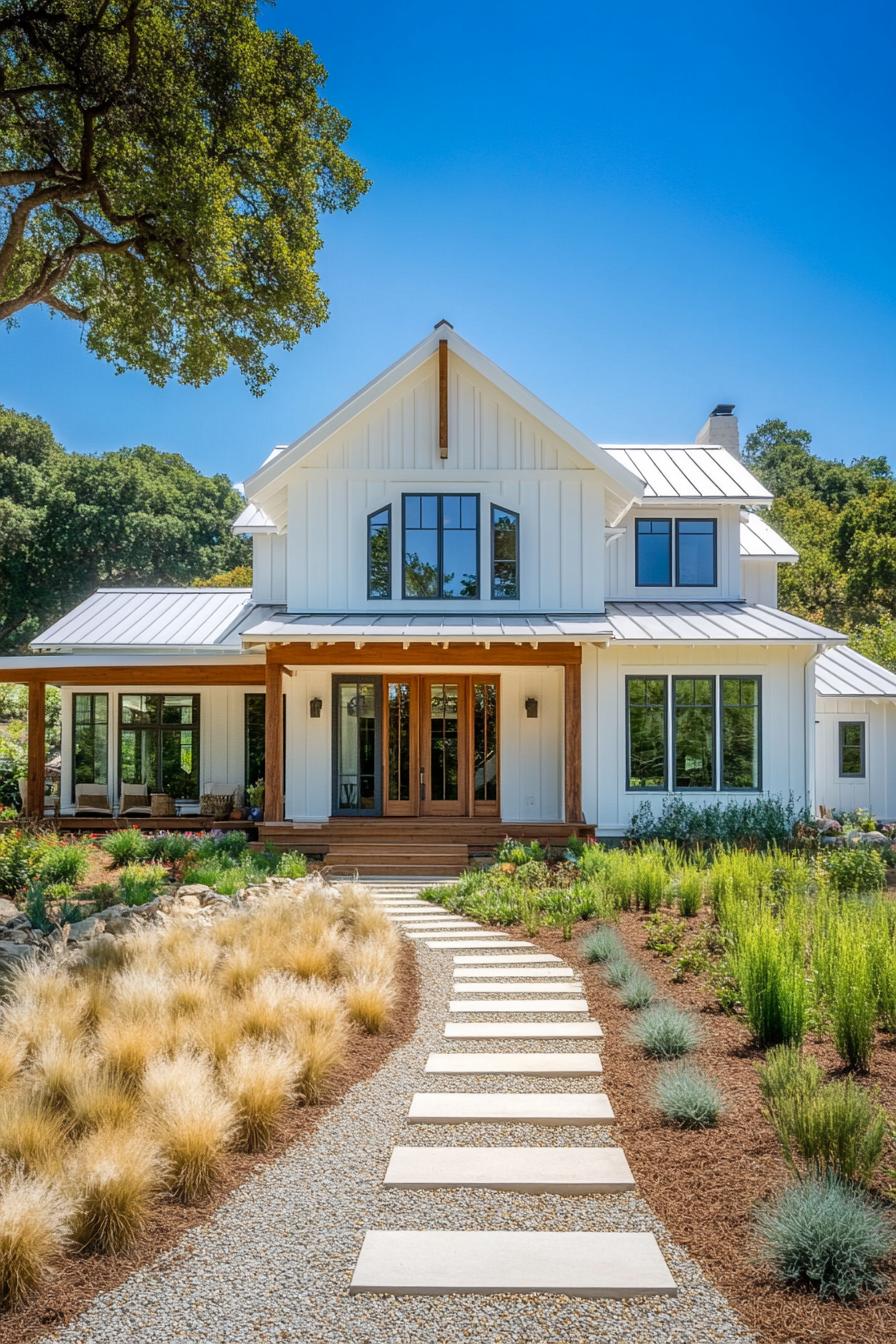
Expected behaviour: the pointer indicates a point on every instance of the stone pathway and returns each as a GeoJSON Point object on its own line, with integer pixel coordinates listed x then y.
{"type": "Point", "coordinates": [289, 1257]}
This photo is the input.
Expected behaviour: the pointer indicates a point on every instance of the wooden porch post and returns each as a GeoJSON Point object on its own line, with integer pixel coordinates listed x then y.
{"type": "Point", "coordinates": [37, 752]}
{"type": "Point", "coordinates": [273, 741]}
{"type": "Point", "coordinates": [572, 741]}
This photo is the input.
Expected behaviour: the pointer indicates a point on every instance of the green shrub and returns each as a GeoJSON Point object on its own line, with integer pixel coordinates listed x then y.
{"type": "Point", "coordinates": [834, 1128]}
{"type": "Point", "coordinates": [637, 991]}
{"type": "Point", "coordinates": [603, 944]}
{"type": "Point", "coordinates": [827, 1236]}
{"type": "Point", "coordinates": [788, 1072]}
{"type": "Point", "coordinates": [619, 970]}
{"type": "Point", "coordinates": [59, 861]}
{"type": "Point", "coordinates": [169, 847]}
{"type": "Point", "coordinates": [687, 1097]}
{"type": "Point", "coordinates": [689, 892]}
{"type": "Point", "coordinates": [664, 1032]}
{"type": "Point", "coordinates": [231, 844]}
{"type": "Point", "coordinates": [771, 820]}
{"type": "Point", "coordinates": [649, 880]}
{"type": "Point", "coordinates": [15, 862]}
{"type": "Point", "coordinates": [663, 935]}
{"type": "Point", "coordinates": [35, 907]}
{"type": "Point", "coordinates": [141, 882]}
{"type": "Point", "coordinates": [292, 864]}
{"type": "Point", "coordinates": [853, 1001]}
{"type": "Point", "coordinates": [768, 966]}
{"type": "Point", "coordinates": [855, 869]}
{"type": "Point", "coordinates": [128, 846]}
{"type": "Point", "coordinates": [102, 895]}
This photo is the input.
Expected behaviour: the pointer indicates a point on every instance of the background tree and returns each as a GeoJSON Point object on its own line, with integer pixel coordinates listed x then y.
{"type": "Point", "coordinates": [163, 167]}
{"type": "Point", "coordinates": [73, 521]}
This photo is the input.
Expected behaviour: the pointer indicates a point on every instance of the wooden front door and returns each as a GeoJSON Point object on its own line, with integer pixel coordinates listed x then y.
{"type": "Point", "coordinates": [440, 746]}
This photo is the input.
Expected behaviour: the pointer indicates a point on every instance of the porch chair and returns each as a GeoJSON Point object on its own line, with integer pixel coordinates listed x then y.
{"type": "Point", "coordinates": [134, 801]}
{"type": "Point", "coordinates": [51, 801]}
{"type": "Point", "coordinates": [92, 800]}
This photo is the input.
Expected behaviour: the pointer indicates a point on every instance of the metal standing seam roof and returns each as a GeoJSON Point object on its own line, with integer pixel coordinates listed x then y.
{"type": "Point", "coordinates": [394, 626]}
{"type": "Point", "coordinates": [253, 519]}
{"type": "Point", "coordinates": [843, 671]}
{"type": "Point", "coordinates": [759, 541]}
{"type": "Point", "coordinates": [711, 622]}
{"type": "Point", "coordinates": [156, 618]}
{"type": "Point", "coordinates": [689, 471]}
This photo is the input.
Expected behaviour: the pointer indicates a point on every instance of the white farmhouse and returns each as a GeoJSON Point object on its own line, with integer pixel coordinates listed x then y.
{"type": "Point", "coordinates": [469, 619]}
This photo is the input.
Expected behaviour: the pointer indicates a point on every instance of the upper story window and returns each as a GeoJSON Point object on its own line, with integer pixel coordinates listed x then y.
{"type": "Point", "coordinates": [695, 552]}
{"type": "Point", "coordinates": [441, 546]}
{"type": "Point", "coordinates": [505, 553]}
{"type": "Point", "coordinates": [379, 553]}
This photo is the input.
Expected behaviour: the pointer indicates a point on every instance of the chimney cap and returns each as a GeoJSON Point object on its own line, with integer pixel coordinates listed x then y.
{"type": "Point", "coordinates": [723, 408]}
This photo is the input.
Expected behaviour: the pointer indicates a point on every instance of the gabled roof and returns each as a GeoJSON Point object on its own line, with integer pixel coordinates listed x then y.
{"type": "Point", "coordinates": [842, 671]}
{"type": "Point", "coordinates": [345, 627]}
{"type": "Point", "coordinates": [253, 519]}
{"type": "Point", "coordinates": [712, 623]}
{"type": "Point", "coordinates": [163, 619]}
{"type": "Point", "coordinates": [690, 471]}
{"type": "Point", "coordinates": [626, 480]}
{"type": "Point", "coordinates": [758, 541]}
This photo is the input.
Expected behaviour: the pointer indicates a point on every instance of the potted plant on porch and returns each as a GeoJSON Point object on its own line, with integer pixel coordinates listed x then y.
{"type": "Point", "coordinates": [255, 799]}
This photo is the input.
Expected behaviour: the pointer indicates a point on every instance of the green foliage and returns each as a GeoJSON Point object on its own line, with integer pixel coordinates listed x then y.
{"type": "Point", "coordinates": [637, 991]}
{"type": "Point", "coordinates": [787, 1072]}
{"type": "Point", "coordinates": [603, 945]}
{"type": "Point", "coordinates": [762, 821]}
{"type": "Point", "coordinates": [663, 935]}
{"type": "Point", "coordinates": [832, 1128]}
{"type": "Point", "coordinates": [768, 965]}
{"type": "Point", "coordinates": [128, 846]}
{"type": "Point", "coordinates": [855, 868]}
{"type": "Point", "coordinates": [168, 847]}
{"type": "Point", "coordinates": [519, 852]}
{"type": "Point", "coordinates": [35, 907]}
{"type": "Point", "coordinates": [292, 864]}
{"type": "Point", "coordinates": [54, 860]}
{"type": "Point", "coordinates": [853, 1002]}
{"type": "Point", "coordinates": [177, 216]}
{"type": "Point", "coordinates": [15, 862]}
{"type": "Point", "coordinates": [689, 892]}
{"type": "Point", "coordinates": [74, 521]}
{"type": "Point", "coordinates": [687, 1097]}
{"type": "Point", "coordinates": [665, 1032]}
{"type": "Point", "coordinates": [141, 882]}
{"type": "Point", "coordinates": [827, 1236]}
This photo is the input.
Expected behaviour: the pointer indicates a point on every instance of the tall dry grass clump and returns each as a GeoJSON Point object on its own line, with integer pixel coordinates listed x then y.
{"type": "Point", "coordinates": [130, 1069]}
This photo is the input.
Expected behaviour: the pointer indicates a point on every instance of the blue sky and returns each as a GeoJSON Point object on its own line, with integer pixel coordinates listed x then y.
{"type": "Point", "coordinates": [638, 210]}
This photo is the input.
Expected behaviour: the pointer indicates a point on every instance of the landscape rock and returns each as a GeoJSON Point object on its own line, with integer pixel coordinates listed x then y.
{"type": "Point", "coordinates": [13, 954]}
{"type": "Point", "coordinates": [21, 921]}
{"type": "Point", "coordinates": [8, 911]}
{"type": "Point", "coordinates": [872, 838]}
{"type": "Point", "coordinates": [86, 928]}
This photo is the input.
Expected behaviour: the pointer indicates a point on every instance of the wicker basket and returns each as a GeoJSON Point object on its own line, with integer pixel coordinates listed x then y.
{"type": "Point", "coordinates": [161, 805]}
{"type": "Point", "coordinates": [216, 805]}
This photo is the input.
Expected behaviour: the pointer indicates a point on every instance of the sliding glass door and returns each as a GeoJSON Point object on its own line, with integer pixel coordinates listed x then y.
{"type": "Point", "coordinates": [356, 746]}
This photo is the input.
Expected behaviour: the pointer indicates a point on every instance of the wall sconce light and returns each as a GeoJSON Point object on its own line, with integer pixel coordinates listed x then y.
{"type": "Point", "coordinates": [531, 707]}
{"type": "Point", "coordinates": [315, 706]}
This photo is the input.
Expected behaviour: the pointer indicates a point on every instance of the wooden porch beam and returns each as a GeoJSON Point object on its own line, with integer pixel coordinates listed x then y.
{"type": "Point", "coordinates": [401, 655]}
{"type": "Point", "coordinates": [273, 742]}
{"type": "Point", "coordinates": [572, 742]}
{"type": "Point", "coordinates": [443, 398]}
{"type": "Point", "coordinates": [37, 752]}
{"type": "Point", "coordinates": [191, 675]}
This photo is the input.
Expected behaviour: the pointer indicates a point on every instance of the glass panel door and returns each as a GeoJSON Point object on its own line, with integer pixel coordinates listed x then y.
{"type": "Point", "coordinates": [444, 747]}
{"type": "Point", "coordinates": [485, 747]}
{"type": "Point", "coordinates": [400, 711]}
{"type": "Point", "coordinates": [356, 755]}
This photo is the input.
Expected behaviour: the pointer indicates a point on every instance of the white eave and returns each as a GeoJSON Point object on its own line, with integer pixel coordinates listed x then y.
{"type": "Point", "coordinates": [758, 541]}
{"type": "Point", "coordinates": [253, 520]}
{"type": "Point", "coordinates": [690, 472]}
{"type": "Point", "coordinates": [628, 482]}
{"type": "Point", "coordinates": [713, 623]}
{"type": "Point", "coordinates": [843, 672]}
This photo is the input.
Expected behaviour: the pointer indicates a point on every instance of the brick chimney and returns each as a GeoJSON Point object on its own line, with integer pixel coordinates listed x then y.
{"type": "Point", "coordinates": [721, 429]}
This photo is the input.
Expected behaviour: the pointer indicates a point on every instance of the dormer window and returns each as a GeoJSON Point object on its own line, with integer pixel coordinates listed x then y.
{"type": "Point", "coordinates": [379, 553]}
{"type": "Point", "coordinates": [695, 553]}
{"type": "Point", "coordinates": [441, 546]}
{"type": "Point", "coordinates": [505, 553]}
{"type": "Point", "coordinates": [653, 552]}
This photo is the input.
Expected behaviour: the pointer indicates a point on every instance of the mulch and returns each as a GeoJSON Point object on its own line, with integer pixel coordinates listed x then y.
{"type": "Point", "coordinates": [705, 1185]}
{"type": "Point", "coordinates": [80, 1278]}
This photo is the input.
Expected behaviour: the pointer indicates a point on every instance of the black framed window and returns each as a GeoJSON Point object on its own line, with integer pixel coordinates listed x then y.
{"type": "Point", "coordinates": [693, 732]}
{"type": "Point", "coordinates": [440, 546]}
{"type": "Point", "coordinates": [741, 711]}
{"type": "Point", "coordinates": [696, 558]}
{"type": "Point", "coordinates": [379, 553]}
{"type": "Point", "coordinates": [158, 743]}
{"type": "Point", "coordinates": [90, 738]}
{"type": "Point", "coordinates": [851, 749]}
{"type": "Point", "coordinates": [646, 732]}
{"type": "Point", "coordinates": [653, 552]}
{"type": "Point", "coordinates": [505, 553]}
{"type": "Point", "coordinates": [253, 738]}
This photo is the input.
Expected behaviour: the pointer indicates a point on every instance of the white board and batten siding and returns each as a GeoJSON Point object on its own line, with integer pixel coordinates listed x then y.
{"type": "Point", "coordinates": [876, 789]}
{"type": "Point", "coordinates": [621, 573]}
{"type": "Point", "coordinates": [269, 568]}
{"type": "Point", "coordinates": [496, 450]}
{"type": "Point", "coordinates": [786, 764]}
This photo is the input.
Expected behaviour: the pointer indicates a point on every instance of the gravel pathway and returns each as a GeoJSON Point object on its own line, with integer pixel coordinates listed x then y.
{"type": "Point", "coordinates": [275, 1262]}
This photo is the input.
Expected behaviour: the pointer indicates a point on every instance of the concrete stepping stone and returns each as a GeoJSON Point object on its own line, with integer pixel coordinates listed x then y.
{"type": "Point", "coordinates": [468, 931]}
{"type": "Point", "coordinates": [542, 1171]}
{"type": "Point", "coordinates": [457, 943]}
{"type": "Point", "coordinates": [516, 987]}
{"type": "Point", "coordinates": [533, 1065]}
{"type": "Point", "coordinates": [517, 1006]}
{"type": "Point", "coordinates": [426, 924]}
{"type": "Point", "coordinates": [502, 1108]}
{"type": "Point", "coordinates": [577, 1264]}
{"type": "Point", "coordinates": [489, 972]}
{"type": "Point", "coordinates": [498, 958]}
{"type": "Point", "coordinates": [534, 1031]}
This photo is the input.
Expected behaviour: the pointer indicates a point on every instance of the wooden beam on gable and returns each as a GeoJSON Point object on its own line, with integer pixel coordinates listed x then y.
{"type": "Point", "coordinates": [443, 398]}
